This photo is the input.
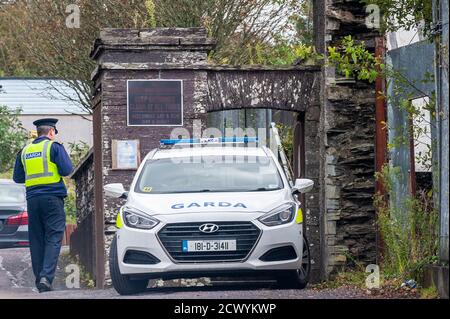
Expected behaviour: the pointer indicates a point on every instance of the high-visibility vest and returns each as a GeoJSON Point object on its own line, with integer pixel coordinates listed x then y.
{"type": "Point", "coordinates": [39, 169]}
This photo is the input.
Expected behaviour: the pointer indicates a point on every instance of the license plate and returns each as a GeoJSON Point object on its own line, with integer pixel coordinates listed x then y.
{"type": "Point", "coordinates": [208, 245]}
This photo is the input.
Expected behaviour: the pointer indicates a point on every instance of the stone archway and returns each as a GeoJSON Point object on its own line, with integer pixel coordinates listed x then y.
{"type": "Point", "coordinates": [338, 127]}
{"type": "Point", "coordinates": [295, 89]}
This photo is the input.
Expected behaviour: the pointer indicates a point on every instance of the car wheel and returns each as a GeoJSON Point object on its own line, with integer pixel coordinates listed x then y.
{"type": "Point", "coordinates": [299, 278]}
{"type": "Point", "coordinates": [121, 283]}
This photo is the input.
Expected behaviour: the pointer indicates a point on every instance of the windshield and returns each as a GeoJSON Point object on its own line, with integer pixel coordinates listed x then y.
{"type": "Point", "coordinates": [12, 194]}
{"type": "Point", "coordinates": [205, 174]}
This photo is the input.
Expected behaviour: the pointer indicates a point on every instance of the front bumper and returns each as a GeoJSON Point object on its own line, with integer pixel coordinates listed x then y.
{"type": "Point", "coordinates": [148, 241]}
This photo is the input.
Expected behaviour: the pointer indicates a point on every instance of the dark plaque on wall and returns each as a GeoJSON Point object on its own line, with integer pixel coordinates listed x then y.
{"type": "Point", "coordinates": [155, 102]}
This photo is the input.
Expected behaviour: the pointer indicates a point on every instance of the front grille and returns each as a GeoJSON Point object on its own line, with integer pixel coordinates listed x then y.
{"type": "Point", "coordinates": [245, 233]}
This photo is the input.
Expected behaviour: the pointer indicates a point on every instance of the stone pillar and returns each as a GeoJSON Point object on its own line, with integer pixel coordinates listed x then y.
{"type": "Point", "coordinates": [126, 54]}
{"type": "Point", "coordinates": [347, 143]}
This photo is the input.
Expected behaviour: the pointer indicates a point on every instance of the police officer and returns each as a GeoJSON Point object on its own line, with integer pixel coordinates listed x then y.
{"type": "Point", "coordinates": [41, 165]}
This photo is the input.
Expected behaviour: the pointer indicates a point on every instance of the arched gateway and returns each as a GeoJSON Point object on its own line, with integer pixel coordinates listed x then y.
{"type": "Point", "coordinates": [332, 146]}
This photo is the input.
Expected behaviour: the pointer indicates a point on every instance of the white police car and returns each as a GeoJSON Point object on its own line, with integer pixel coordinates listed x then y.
{"type": "Point", "coordinates": [205, 210]}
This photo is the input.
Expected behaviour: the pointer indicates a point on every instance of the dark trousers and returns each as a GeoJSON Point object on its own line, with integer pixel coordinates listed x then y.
{"type": "Point", "coordinates": [46, 225]}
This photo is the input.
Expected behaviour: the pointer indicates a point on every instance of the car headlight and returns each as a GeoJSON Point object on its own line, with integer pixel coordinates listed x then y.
{"type": "Point", "coordinates": [136, 219]}
{"type": "Point", "coordinates": [279, 216]}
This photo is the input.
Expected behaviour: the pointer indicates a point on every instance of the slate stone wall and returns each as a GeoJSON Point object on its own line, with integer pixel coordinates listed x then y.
{"type": "Point", "coordinates": [84, 187]}
{"type": "Point", "coordinates": [348, 139]}
{"type": "Point", "coordinates": [82, 243]}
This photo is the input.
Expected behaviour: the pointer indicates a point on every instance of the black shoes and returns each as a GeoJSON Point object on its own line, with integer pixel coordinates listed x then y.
{"type": "Point", "coordinates": [44, 285]}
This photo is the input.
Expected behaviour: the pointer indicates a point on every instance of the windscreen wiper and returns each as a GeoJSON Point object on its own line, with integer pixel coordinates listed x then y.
{"type": "Point", "coordinates": [261, 189]}
{"type": "Point", "coordinates": [196, 191]}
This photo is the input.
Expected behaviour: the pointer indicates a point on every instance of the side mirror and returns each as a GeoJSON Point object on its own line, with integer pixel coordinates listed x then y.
{"type": "Point", "coordinates": [115, 190]}
{"type": "Point", "coordinates": [302, 185]}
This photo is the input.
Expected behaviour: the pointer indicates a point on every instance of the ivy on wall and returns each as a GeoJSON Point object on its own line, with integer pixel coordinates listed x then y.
{"type": "Point", "coordinates": [353, 60]}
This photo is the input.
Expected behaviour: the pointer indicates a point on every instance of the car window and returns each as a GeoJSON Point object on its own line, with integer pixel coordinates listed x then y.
{"type": "Point", "coordinates": [12, 193]}
{"type": "Point", "coordinates": [208, 174]}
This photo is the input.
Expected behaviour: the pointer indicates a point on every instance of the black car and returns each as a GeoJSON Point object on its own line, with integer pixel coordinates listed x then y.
{"type": "Point", "coordinates": [13, 215]}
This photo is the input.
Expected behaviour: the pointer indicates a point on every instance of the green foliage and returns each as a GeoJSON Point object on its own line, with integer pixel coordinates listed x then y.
{"type": "Point", "coordinates": [353, 60]}
{"type": "Point", "coordinates": [77, 151]}
{"type": "Point", "coordinates": [429, 293]}
{"type": "Point", "coordinates": [35, 41]}
{"type": "Point", "coordinates": [287, 140]}
{"type": "Point", "coordinates": [303, 52]}
{"type": "Point", "coordinates": [355, 278]}
{"type": "Point", "coordinates": [406, 14]}
{"type": "Point", "coordinates": [303, 22]}
{"type": "Point", "coordinates": [70, 206]}
{"type": "Point", "coordinates": [86, 279]}
{"type": "Point", "coordinates": [150, 6]}
{"type": "Point", "coordinates": [238, 26]}
{"type": "Point", "coordinates": [282, 53]}
{"type": "Point", "coordinates": [409, 232]}
{"type": "Point", "coordinates": [7, 175]}
{"type": "Point", "coordinates": [12, 137]}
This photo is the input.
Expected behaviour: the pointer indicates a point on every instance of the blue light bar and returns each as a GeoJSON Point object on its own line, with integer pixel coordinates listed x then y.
{"type": "Point", "coordinates": [210, 140]}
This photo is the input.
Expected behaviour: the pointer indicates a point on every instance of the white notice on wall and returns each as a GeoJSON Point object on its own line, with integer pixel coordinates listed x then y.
{"type": "Point", "coordinates": [127, 154]}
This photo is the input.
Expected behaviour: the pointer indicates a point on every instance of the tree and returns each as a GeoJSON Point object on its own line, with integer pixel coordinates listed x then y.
{"type": "Point", "coordinates": [405, 14]}
{"type": "Point", "coordinates": [35, 41]}
{"type": "Point", "coordinates": [237, 25]}
{"type": "Point", "coordinates": [12, 137]}
{"type": "Point", "coordinates": [303, 21]}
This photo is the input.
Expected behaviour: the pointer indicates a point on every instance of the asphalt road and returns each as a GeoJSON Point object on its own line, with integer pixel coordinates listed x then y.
{"type": "Point", "coordinates": [17, 281]}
